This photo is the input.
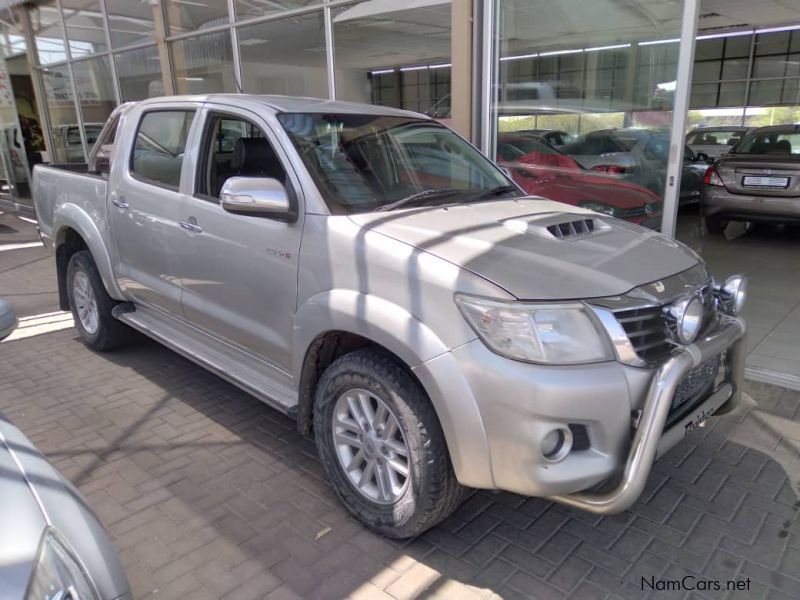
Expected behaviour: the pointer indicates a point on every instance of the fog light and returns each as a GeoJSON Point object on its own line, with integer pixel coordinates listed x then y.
{"type": "Point", "coordinates": [556, 444]}
{"type": "Point", "coordinates": [735, 288]}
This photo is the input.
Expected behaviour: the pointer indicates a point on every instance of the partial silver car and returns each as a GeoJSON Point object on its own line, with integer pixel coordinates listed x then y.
{"type": "Point", "coordinates": [52, 546]}
{"type": "Point", "coordinates": [8, 319]}
{"type": "Point", "coordinates": [371, 274]}
{"type": "Point", "coordinates": [757, 181]}
{"type": "Point", "coordinates": [713, 142]}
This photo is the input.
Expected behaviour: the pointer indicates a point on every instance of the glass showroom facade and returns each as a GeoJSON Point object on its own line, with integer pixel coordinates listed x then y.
{"type": "Point", "coordinates": [568, 95]}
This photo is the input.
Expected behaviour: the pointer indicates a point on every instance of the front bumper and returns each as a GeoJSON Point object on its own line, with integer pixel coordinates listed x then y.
{"type": "Point", "coordinates": [650, 440]}
{"type": "Point", "coordinates": [495, 413]}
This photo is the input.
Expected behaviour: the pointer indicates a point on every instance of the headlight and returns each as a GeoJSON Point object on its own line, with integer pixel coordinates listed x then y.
{"type": "Point", "coordinates": [543, 333]}
{"type": "Point", "coordinates": [57, 575]}
{"type": "Point", "coordinates": [735, 288]}
{"type": "Point", "coordinates": [688, 315]}
{"type": "Point", "coordinates": [600, 207]}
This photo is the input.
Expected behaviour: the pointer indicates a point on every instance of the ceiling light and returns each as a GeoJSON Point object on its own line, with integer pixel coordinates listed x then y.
{"type": "Point", "coordinates": [724, 35]}
{"type": "Point", "coordinates": [654, 42]}
{"type": "Point", "coordinates": [520, 57]}
{"type": "Point", "coordinates": [555, 52]}
{"type": "Point", "coordinates": [615, 47]}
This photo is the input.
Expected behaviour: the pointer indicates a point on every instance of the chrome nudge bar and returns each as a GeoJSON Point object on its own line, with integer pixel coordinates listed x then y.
{"type": "Point", "coordinates": [644, 449]}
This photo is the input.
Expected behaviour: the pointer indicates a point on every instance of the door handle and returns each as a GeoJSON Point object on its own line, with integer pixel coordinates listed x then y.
{"type": "Point", "coordinates": [192, 227]}
{"type": "Point", "coordinates": [119, 201]}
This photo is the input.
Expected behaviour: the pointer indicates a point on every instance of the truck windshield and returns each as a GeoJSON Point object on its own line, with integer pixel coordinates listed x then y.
{"type": "Point", "coordinates": [364, 162]}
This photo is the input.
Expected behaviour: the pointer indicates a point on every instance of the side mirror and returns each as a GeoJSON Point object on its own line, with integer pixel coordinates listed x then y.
{"type": "Point", "coordinates": [101, 162]}
{"type": "Point", "coordinates": [256, 196]}
{"type": "Point", "coordinates": [701, 156]}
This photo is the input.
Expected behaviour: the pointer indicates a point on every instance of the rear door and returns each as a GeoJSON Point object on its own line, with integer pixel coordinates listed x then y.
{"type": "Point", "coordinates": [143, 206]}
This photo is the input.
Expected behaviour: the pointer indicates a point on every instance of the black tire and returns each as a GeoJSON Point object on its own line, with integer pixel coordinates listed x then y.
{"type": "Point", "coordinates": [716, 225]}
{"type": "Point", "coordinates": [433, 492]}
{"type": "Point", "coordinates": [109, 333]}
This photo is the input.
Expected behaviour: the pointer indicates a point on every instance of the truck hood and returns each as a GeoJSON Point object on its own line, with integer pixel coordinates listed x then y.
{"type": "Point", "coordinates": [508, 243]}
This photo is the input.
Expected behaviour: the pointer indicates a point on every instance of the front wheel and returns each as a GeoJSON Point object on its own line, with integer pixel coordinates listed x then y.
{"type": "Point", "coordinates": [382, 446]}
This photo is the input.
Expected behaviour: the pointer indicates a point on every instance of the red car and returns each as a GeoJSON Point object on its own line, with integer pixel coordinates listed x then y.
{"type": "Point", "coordinates": [542, 170]}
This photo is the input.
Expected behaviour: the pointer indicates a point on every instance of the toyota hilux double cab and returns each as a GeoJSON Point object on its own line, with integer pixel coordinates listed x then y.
{"type": "Point", "coordinates": [371, 274]}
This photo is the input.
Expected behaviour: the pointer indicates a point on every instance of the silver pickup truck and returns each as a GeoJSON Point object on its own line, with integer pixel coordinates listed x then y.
{"type": "Point", "coordinates": [369, 273]}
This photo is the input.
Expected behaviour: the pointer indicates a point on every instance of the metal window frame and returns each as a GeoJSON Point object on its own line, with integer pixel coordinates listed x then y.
{"type": "Point", "coordinates": [75, 97]}
{"type": "Point", "coordinates": [680, 114]}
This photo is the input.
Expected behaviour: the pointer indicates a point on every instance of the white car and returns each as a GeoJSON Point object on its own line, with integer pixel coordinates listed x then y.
{"type": "Point", "coordinates": [714, 141]}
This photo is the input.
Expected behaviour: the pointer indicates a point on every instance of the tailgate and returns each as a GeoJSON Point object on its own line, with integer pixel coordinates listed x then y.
{"type": "Point", "coordinates": [761, 176]}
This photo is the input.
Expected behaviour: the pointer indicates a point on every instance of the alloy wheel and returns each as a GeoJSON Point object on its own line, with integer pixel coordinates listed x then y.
{"type": "Point", "coordinates": [370, 446]}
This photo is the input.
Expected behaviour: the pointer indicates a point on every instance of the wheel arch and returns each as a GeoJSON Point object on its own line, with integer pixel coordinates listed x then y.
{"type": "Point", "coordinates": [337, 322]}
{"type": "Point", "coordinates": [76, 231]}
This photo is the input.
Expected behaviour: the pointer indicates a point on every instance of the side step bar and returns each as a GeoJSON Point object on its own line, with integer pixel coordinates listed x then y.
{"type": "Point", "coordinates": [228, 362]}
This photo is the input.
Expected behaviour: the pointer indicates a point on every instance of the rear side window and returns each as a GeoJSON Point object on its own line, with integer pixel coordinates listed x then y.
{"type": "Point", "coordinates": [160, 146]}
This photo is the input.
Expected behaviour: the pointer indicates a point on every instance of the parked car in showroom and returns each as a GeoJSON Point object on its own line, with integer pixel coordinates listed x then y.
{"type": "Point", "coordinates": [554, 137]}
{"type": "Point", "coordinates": [758, 180]}
{"type": "Point", "coordinates": [52, 546]}
{"type": "Point", "coordinates": [435, 330]}
{"type": "Point", "coordinates": [541, 170]}
{"type": "Point", "coordinates": [639, 156]}
{"type": "Point", "coordinates": [713, 142]}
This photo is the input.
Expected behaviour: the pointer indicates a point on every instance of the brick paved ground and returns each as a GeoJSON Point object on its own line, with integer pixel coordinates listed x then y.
{"type": "Point", "coordinates": [208, 493]}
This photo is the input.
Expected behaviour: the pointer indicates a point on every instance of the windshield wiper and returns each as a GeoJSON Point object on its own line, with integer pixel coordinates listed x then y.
{"type": "Point", "coordinates": [419, 196]}
{"type": "Point", "coordinates": [495, 191]}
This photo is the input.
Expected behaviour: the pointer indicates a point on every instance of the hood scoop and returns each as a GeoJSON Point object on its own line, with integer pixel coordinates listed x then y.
{"type": "Point", "coordinates": [559, 227]}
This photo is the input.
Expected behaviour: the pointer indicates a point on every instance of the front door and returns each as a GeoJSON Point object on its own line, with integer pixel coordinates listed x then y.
{"type": "Point", "coordinates": [239, 273]}
{"type": "Point", "coordinates": [144, 208]}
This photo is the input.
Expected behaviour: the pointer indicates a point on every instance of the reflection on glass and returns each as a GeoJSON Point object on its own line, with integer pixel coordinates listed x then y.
{"type": "Point", "coordinates": [184, 17]}
{"type": "Point", "coordinates": [139, 73]}
{"type": "Point", "coordinates": [285, 57]}
{"type": "Point", "coordinates": [95, 94]}
{"type": "Point", "coordinates": [374, 162]}
{"type": "Point", "coordinates": [83, 20]}
{"type": "Point", "coordinates": [130, 21]}
{"type": "Point", "coordinates": [408, 68]}
{"type": "Point", "coordinates": [203, 64]}
{"type": "Point", "coordinates": [584, 114]}
{"type": "Point", "coordinates": [248, 9]}
{"type": "Point", "coordinates": [46, 25]}
{"type": "Point", "coordinates": [60, 103]}
{"type": "Point", "coordinates": [12, 42]}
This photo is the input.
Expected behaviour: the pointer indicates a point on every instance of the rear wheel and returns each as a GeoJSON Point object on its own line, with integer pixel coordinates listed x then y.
{"type": "Point", "coordinates": [716, 225]}
{"type": "Point", "coordinates": [91, 305]}
{"type": "Point", "coordinates": [382, 446]}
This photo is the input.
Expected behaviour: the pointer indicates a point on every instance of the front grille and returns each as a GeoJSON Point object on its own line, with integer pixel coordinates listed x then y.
{"type": "Point", "coordinates": [647, 331]}
{"type": "Point", "coordinates": [651, 330]}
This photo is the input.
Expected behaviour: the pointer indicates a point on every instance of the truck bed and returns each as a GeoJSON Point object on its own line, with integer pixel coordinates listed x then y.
{"type": "Point", "coordinates": [59, 189]}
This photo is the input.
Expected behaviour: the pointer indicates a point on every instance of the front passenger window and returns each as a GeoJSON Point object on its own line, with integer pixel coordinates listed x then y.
{"type": "Point", "coordinates": [160, 146]}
